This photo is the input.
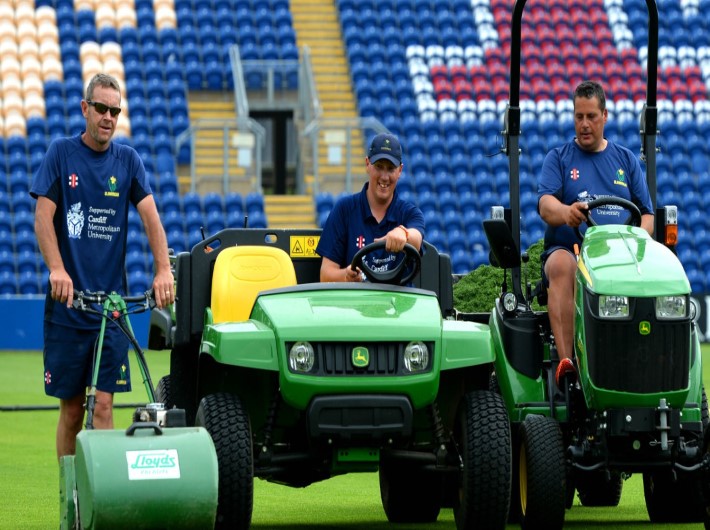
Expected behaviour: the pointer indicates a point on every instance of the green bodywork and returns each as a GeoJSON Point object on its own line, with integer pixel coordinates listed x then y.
{"type": "Point", "coordinates": [613, 260]}
{"type": "Point", "coordinates": [627, 261]}
{"type": "Point", "coordinates": [323, 315]}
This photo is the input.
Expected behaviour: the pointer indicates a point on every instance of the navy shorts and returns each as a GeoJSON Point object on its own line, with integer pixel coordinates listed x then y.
{"type": "Point", "coordinates": [69, 360]}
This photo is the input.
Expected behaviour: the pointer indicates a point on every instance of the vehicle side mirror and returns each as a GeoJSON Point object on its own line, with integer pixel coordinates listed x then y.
{"type": "Point", "coordinates": [504, 252]}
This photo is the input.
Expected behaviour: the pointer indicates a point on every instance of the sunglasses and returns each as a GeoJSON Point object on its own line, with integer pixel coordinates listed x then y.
{"type": "Point", "coordinates": [101, 108]}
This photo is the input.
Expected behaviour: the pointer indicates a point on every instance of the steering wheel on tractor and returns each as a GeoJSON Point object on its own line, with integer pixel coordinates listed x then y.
{"type": "Point", "coordinates": [633, 220]}
{"type": "Point", "coordinates": [395, 276]}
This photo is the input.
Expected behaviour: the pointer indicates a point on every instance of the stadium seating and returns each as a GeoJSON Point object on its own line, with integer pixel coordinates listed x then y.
{"type": "Point", "coordinates": [437, 77]}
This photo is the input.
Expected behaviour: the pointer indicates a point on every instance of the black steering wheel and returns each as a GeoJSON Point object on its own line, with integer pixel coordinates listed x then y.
{"type": "Point", "coordinates": [634, 219]}
{"type": "Point", "coordinates": [395, 276]}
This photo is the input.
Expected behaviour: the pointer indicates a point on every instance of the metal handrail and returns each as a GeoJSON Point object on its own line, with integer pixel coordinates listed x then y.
{"type": "Point", "coordinates": [227, 126]}
{"type": "Point", "coordinates": [312, 132]}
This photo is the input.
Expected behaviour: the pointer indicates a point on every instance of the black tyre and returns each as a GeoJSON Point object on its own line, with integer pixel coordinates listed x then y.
{"type": "Point", "coordinates": [398, 483]}
{"type": "Point", "coordinates": [673, 501]}
{"type": "Point", "coordinates": [163, 393]}
{"type": "Point", "coordinates": [183, 379]}
{"type": "Point", "coordinates": [225, 418]}
{"type": "Point", "coordinates": [683, 500]}
{"type": "Point", "coordinates": [541, 474]}
{"type": "Point", "coordinates": [483, 437]}
{"type": "Point", "coordinates": [596, 489]}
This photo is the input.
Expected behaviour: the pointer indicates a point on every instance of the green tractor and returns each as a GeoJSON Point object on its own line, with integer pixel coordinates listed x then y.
{"type": "Point", "coordinates": [297, 381]}
{"type": "Point", "coordinates": [639, 405]}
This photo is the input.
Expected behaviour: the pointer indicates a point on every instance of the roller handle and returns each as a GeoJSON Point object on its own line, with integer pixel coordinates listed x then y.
{"type": "Point", "coordinates": [143, 425]}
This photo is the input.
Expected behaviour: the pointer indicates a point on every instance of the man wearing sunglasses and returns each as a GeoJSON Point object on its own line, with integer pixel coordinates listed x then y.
{"type": "Point", "coordinates": [84, 188]}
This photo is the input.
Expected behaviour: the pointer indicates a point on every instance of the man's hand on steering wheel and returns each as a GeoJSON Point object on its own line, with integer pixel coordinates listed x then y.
{"type": "Point", "coordinates": [634, 218]}
{"type": "Point", "coordinates": [402, 274]}
{"type": "Point", "coordinates": [395, 239]}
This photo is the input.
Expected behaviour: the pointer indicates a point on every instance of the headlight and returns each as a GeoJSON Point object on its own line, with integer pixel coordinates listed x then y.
{"type": "Point", "coordinates": [416, 357]}
{"type": "Point", "coordinates": [611, 306]}
{"type": "Point", "coordinates": [510, 302]}
{"type": "Point", "coordinates": [301, 357]}
{"type": "Point", "coordinates": [671, 307]}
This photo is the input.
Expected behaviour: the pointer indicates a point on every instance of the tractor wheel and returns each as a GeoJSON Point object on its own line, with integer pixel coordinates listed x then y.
{"type": "Point", "coordinates": [163, 393]}
{"type": "Point", "coordinates": [669, 501]}
{"type": "Point", "coordinates": [595, 490]}
{"type": "Point", "coordinates": [183, 379]}
{"type": "Point", "coordinates": [483, 437]}
{"type": "Point", "coordinates": [398, 483]}
{"type": "Point", "coordinates": [665, 496]}
{"type": "Point", "coordinates": [225, 418]}
{"type": "Point", "coordinates": [541, 474]}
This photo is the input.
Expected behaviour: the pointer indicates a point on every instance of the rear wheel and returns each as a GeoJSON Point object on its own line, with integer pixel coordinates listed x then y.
{"type": "Point", "coordinates": [225, 418]}
{"type": "Point", "coordinates": [409, 495]}
{"type": "Point", "coordinates": [596, 489]}
{"type": "Point", "coordinates": [483, 437]}
{"type": "Point", "coordinates": [541, 474]}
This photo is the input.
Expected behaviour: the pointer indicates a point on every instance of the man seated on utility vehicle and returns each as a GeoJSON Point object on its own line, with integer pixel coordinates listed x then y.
{"type": "Point", "coordinates": [374, 214]}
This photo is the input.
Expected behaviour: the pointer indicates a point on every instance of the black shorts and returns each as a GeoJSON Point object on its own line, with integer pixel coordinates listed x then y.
{"type": "Point", "coordinates": [69, 360]}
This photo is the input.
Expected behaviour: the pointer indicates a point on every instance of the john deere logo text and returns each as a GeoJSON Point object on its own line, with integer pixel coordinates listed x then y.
{"type": "Point", "coordinates": [644, 327]}
{"type": "Point", "coordinates": [361, 357]}
{"type": "Point", "coordinates": [153, 465]}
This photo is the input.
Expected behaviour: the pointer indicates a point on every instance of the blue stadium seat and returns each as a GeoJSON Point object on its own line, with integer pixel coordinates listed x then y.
{"type": "Point", "coordinates": [139, 282]}
{"type": "Point", "coordinates": [8, 283]}
{"type": "Point", "coordinates": [257, 219]}
{"type": "Point", "coordinates": [7, 262]}
{"type": "Point", "coordinates": [214, 221]}
{"type": "Point", "coordinates": [25, 240]}
{"type": "Point", "coordinates": [136, 262]}
{"type": "Point", "coordinates": [23, 221]}
{"type": "Point", "coordinates": [176, 241]}
{"type": "Point", "coordinates": [212, 202]}
{"type": "Point", "coordinates": [173, 220]}
{"type": "Point", "coordinates": [136, 240]}
{"type": "Point", "coordinates": [7, 243]}
{"type": "Point", "coordinates": [254, 202]}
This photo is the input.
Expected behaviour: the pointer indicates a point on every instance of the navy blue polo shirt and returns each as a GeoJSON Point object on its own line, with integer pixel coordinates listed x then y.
{"type": "Point", "coordinates": [351, 226]}
{"type": "Point", "coordinates": [92, 191]}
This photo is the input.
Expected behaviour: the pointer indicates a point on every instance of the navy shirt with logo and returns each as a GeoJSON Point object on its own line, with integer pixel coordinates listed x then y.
{"type": "Point", "coordinates": [351, 226]}
{"type": "Point", "coordinates": [92, 191]}
{"type": "Point", "coordinates": [572, 174]}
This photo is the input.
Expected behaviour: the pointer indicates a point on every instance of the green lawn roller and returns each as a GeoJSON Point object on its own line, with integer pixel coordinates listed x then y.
{"type": "Point", "coordinates": [155, 474]}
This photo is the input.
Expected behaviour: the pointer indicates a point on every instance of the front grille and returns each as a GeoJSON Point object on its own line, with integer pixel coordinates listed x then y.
{"type": "Point", "coordinates": [335, 358]}
{"type": "Point", "coordinates": [620, 358]}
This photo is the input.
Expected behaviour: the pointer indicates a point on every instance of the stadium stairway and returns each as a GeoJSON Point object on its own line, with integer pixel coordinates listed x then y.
{"type": "Point", "coordinates": [317, 26]}
{"type": "Point", "coordinates": [210, 145]}
{"type": "Point", "coordinates": [289, 211]}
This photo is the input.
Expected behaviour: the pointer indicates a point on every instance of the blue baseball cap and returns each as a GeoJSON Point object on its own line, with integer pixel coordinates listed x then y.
{"type": "Point", "coordinates": [385, 146]}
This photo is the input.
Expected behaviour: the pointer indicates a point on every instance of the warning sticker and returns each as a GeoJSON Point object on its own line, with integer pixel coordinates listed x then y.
{"type": "Point", "coordinates": [304, 246]}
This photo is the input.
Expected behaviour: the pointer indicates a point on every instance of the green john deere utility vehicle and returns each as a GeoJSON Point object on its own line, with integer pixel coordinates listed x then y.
{"type": "Point", "coordinates": [298, 381]}
{"type": "Point", "coordinates": [638, 405]}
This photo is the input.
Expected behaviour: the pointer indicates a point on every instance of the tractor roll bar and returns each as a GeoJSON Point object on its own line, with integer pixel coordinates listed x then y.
{"type": "Point", "coordinates": [511, 132]}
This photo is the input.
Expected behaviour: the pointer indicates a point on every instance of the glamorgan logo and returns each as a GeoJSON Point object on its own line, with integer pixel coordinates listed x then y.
{"type": "Point", "coordinates": [112, 181]}
{"type": "Point", "coordinates": [153, 465]}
